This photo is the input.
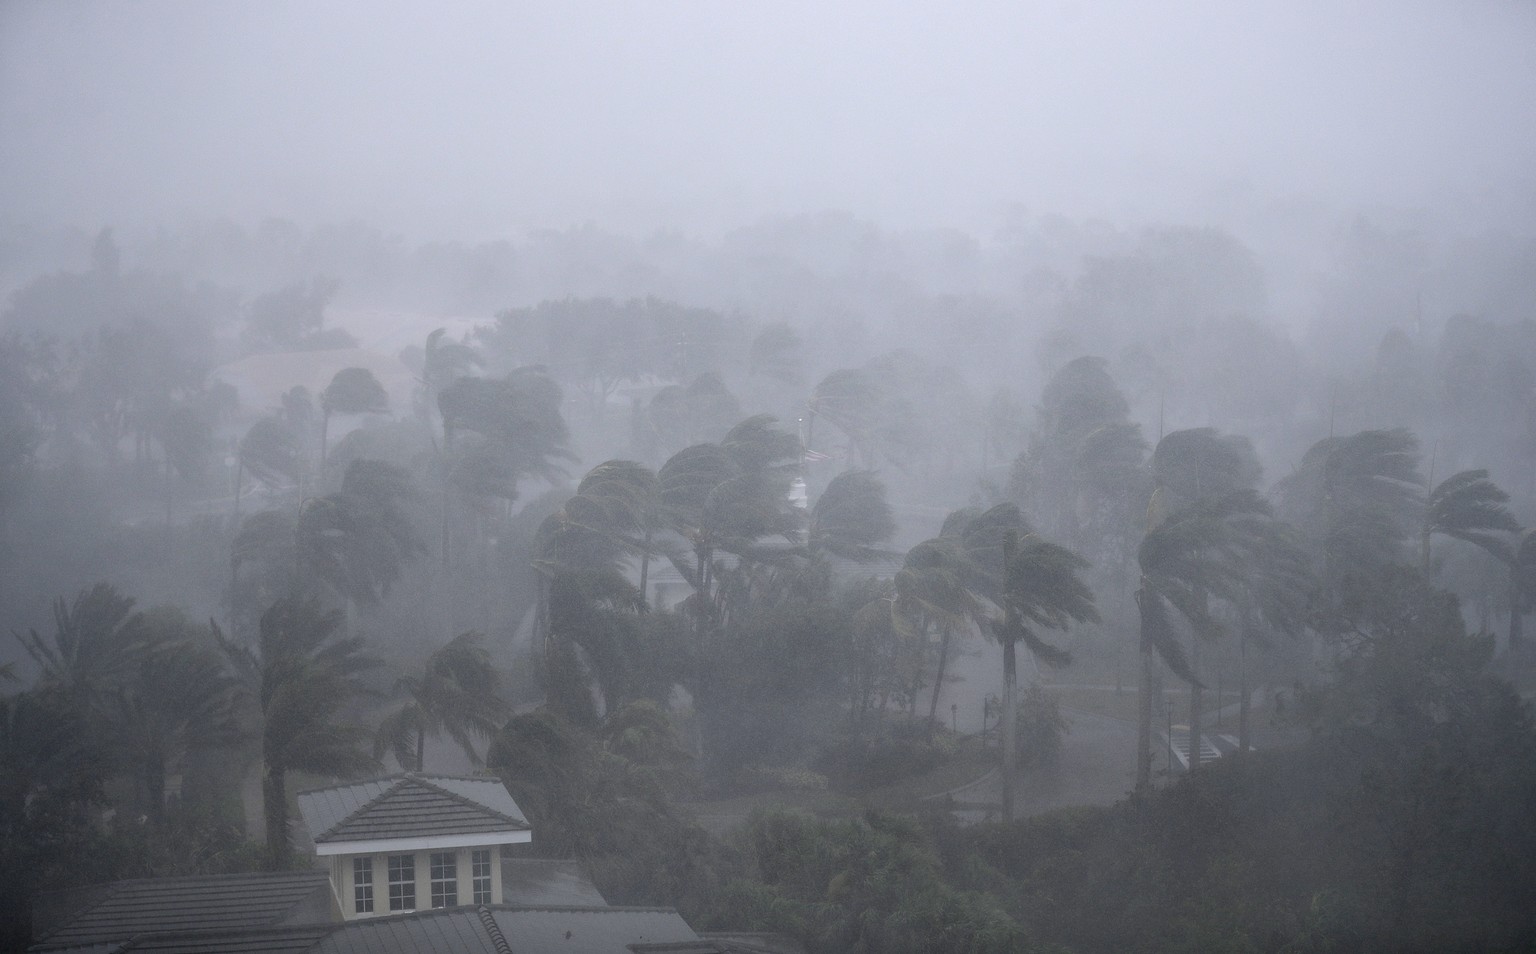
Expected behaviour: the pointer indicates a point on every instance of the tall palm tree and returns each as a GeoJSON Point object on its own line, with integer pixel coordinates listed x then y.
{"type": "Point", "coordinates": [1211, 548]}
{"type": "Point", "coordinates": [933, 592]}
{"type": "Point", "coordinates": [1041, 589]}
{"type": "Point", "coordinates": [1468, 507]}
{"type": "Point", "coordinates": [1189, 466]}
{"type": "Point", "coordinates": [1356, 499]}
{"type": "Point", "coordinates": [456, 692]}
{"type": "Point", "coordinates": [302, 678]}
{"type": "Point", "coordinates": [351, 391]}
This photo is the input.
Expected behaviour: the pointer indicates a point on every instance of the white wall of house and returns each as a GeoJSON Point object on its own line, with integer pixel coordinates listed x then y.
{"type": "Point", "coordinates": [343, 866]}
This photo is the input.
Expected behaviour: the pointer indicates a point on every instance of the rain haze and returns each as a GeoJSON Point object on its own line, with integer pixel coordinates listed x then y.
{"type": "Point", "coordinates": [478, 120]}
{"type": "Point", "coordinates": [792, 478]}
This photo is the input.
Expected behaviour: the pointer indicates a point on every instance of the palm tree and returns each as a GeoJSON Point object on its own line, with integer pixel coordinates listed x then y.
{"type": "Point", "coordinates": [96, 639]}
{"type": "Point", "coordinates": [301, 678]}
{"type": "Point", "coordinates": [932, 591]}
{"type": "Point", "coordinates": [457, 692]}
{"type": "Point", "coordinates": [1212, 547]}
{"type": "Point", "coordinates": [178, 698]}
{"type": "Point", "coordinates": [1356, 499]}
{"type": "Point", "coordinates": [851, 519]}
{"type": "Point", "coordinates": [1468, 507]}
{"type": "Point", "coordinates": [1041, 590]}
{"type": "Point", "coordinates": [1190, 466]}
{"type": "Point", "coordinates": [270, 452]}
{"type": "Point", "coordinates": [378, 536]}
{"type": "Point", "coordinates": [351, 391]}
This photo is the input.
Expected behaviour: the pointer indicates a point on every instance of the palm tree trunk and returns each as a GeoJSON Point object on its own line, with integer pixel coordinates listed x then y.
{"type": "Point", "coordinates": [1242, 692]}
{"type": "Point", "coordinates": [421, 748]}
{"type": "Point", "coordinates": [1144, 706]}
{"type": "Point", "coordinates": [645, 568]}
{"type": "Point", "coordinates": [1516, 636]}
{"type": "Point", "coordinates": [274, 798]}
{"type": "Point", "coordinates": [239, 479]}
{"type": "Point", "coordinates": [1009, 723]}
{"type": "Point", "coordinates": [325, 426]}
{"type": "Point", "coordinates": [1196, 705]}
{"type": "Point", "coordinates": [938, 679]}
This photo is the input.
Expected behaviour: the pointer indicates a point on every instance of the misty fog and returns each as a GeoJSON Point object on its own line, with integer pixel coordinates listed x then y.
{"type": "Point", "coordinates": [765, 399]}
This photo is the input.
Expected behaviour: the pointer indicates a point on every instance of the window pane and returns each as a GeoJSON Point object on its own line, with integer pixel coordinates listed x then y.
{"type": "Point", "coordinates": [480, 870]}
{"type": "Point", "coordinates": [362, 885]}
{"type": "Point", "coordinates": [402, 882]}
{"type": "Point", "coordinates": [445, 879]}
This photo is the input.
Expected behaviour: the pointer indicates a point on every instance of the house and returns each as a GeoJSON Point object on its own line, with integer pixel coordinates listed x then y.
{"type": "Point", "coordinates": [413, 842]}
{"type": "Point", "coordinates": [107, 917]}
{"type": "Point", "coordinates": [411, 864]}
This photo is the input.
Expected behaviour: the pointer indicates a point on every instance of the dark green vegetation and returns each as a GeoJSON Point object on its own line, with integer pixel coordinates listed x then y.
{"type": "Point", "coordinates": [751, 581]}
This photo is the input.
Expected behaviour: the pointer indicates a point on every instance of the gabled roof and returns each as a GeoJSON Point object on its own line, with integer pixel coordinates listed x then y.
{"type": "Point", "coordinates": [409, 806]}
{"type": "Point", "coordinates": [124, 910]}
{"type": "Point", "coordinates": [589, 930]}
{"type": "Point", "coordinates": [505, 929]}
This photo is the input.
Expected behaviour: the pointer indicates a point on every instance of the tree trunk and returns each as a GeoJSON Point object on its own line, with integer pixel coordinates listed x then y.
{"type": "Point", "coordinates": [1009, 724]}
{"type": "Point", "coordinates": [1144, 705]}
{"type": "Point", "coordinates": [1196, 705]}
{"type": "Point", "coordinates": [1242, 693]}
{"type": "Point", "coordinates": [938, 679]}
{"type": "Point", "coordinates": [1516, 623]}
{"type": "Point", "coordinates": [645, 568]}
{"type": "Point", "coordinates": [239, 479]}
{"type": "Point", "coordinates": [325, 426]}
{"type": "Point", "coordinates": [421, 748]}
{"type": "Point", "coordinates": [274, 797]}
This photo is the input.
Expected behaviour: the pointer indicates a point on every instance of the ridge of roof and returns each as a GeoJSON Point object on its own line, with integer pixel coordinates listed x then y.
{"type": "Point", "coordinates": [493, 929]}
{"type": "Point", "coordinates": [365, 806]}
{"type": "Point", "coordinates": [463, 800]}
{"type": "Point", "coordinates": [582, 908]}
{"type": "Point", "coordinates": [398, 781]}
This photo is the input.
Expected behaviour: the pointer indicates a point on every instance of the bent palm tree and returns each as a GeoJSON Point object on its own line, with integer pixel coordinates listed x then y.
{"type": "Point", "coordinates": [1467, 507]}
{"type": "Point", "coordinates": [301, 679]}
{"type": "Point", "coordinates": [1214, 548]}
{"type": "Point", "coordinates": [351, 391]}
{"type": "Point", "coordinates": [1041, 590]}
{"type": "Point", "coordinates": [456, 692]}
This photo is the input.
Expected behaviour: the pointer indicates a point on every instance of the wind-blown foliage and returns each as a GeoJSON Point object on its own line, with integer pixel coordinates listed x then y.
{"type": "Point", "coordinates": [456, 692]}
{"type": "Point", "coordinates": [302, 678]}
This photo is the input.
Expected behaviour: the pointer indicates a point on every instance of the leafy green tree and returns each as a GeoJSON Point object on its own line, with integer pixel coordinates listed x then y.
{"type": "Point", "coordinates": [302, 678]}
{"type": "Point", "coordinates": [351, 391]}
{"type": "Point", "coordinates": [873, 883]}
{"type": "Point", "coordinates": [457, 692]}
{"type": "Point", "coordinates": [52, 764]}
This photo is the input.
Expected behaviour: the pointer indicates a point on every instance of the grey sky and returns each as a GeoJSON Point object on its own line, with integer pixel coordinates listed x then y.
{"type": "Point", "coordinates": [485, 118]}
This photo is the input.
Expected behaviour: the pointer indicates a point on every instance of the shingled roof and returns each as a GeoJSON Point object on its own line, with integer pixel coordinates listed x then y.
{"type": "Point", "coordinates": [502, 929]}
{"type": "Point", "coordinates": [113, 915]}
{"type": "Point", "coordinates": [444, 809]}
